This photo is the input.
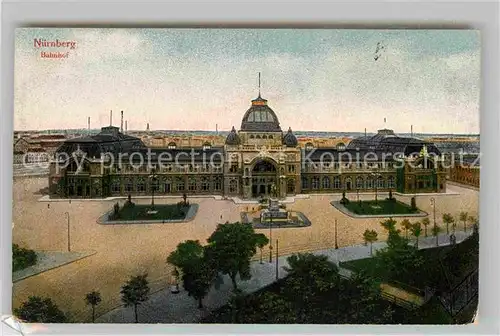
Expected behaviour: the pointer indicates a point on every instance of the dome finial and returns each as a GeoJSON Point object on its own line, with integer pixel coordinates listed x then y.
{"type": "Point", "coordinates": [259, 84]}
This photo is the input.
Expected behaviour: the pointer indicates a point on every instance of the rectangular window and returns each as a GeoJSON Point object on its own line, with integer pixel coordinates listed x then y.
{"type": "Point", "coordinates": [141, 187]}
{"type": "Point", "coordinates": [234, 168]}
{"type": "Point", "coordinates": [291, 168]}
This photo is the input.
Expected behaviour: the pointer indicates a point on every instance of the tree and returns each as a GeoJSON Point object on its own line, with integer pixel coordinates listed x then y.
{"type": "Point", "coordinates": [473, 221]}
{"type": "Point", "coordinates": [230, 248]}
{"type": "Point", "coordinates": [135, 292]}
{"type": "Point", "coordinates": [426, 222]}
{"type": "Point", "coordinates": [309, 277]}
{"type": "Point", "coordinates": [448, 219]}
{"type": "Point", "coordinates": [186, 253]}
{"type": "Point", "coordinates": [39, 310]}
{"type": "Point", "coordinates": [262, 241]}
{"type": "Point", "coordinates": [398, 257]}
{"type": "Point", "coordinates": [197, 279]}
{"type": "Point", "coordinates": [389, 224]}
{"type": "Point", "coordinates": [370, 236]}
{"type": "Point", "coordinates": [463, 217]}
{"type": "Point", "coordinates": [435, 232]}
{"type": "Point", "coordinates": [416, 230]}
{"type": "Point", "coordinates": [93, 299]}
{"type": "Point", "coordinates": [406, 225]}
{"type": "Point", "coordinates": [198, 273]}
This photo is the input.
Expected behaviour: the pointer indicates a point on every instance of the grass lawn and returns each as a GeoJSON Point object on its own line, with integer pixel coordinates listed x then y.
{"type": "Point", "coordinates": [415, 281]}
{"type": "Point", "coordinates": [381, 207]}
{"type": "Point", "coordinates": [139, 212]}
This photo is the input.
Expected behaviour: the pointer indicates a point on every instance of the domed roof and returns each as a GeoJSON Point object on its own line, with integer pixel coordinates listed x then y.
{"type": "Point", "coordinates": [260, 117]}
{"type": "Point", "coordinates": [232, 138]}
{"type": "Point", "coordinates": [289, 139]}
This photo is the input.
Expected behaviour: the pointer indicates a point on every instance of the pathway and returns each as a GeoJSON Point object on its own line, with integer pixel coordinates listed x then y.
{"type": "Point", "coordinates": [47, 260]}
{"type": "Point", "coordinates": [165, 307]}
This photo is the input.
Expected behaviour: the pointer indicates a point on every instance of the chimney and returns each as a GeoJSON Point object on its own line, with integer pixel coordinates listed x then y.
{"type": "Point", "coordinates": [147, 127]}
{"type": "Point", "coordinates": [88, 122]}
{"type": "Point", "coordinates": [121, 124]}
{"type": "Point", "coordinates": [125, 126]}
{"type": "Point", "coordinates": [412, 131]}
{"type": "Point", "coordinates": [365, 132]}
{"type": "Point", "coordinates": [111, 118]}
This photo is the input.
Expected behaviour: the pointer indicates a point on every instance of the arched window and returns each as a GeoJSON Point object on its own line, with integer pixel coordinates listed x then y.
{"type": "Point", "coordinates": [257, 136]}
{"type": "Point", "coordinates": [217, 184]}
{"type": "Point", "coordinates": [270, 136]}
{"type": "Point", "coordinates": [264, 136]}
{"type": "Point", "coordinates": [315, 182]}
{"type": "Point", "coordinates": [369, 183]}
{"type": "Point", "coordinates": [141, 185]}
{"type": "Point", "coordinates": [115, 185]}
{"type": "Point", "coordinates": [205, 185]}
{"type": "Point", "coordinates": [305, 183]}
{"type": "Point", "coordinates": [326, 182]}
{"type": "Point", "coordinates": [348, 183]}
{"type": "Point", "coordinates": [391, 182]}
{"type": "Point", "coordinates": [380, 183]}
{"type": "Point", "coordinates": [233, 186]}
{"type": "Point", "coordinates": [179, 184]}
{"type": "Point", "coordinates": [359, 182]}
{"type": "Point", "coordinates": [291, 186]}
{"type": "Point", "coordinates": [192, 184]}
{"type": "Point", "coordinates": [252, 136]}
{"type": "Point", "coordinates": [336, 182]}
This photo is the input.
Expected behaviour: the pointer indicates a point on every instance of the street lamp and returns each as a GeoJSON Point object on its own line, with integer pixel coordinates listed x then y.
{"type": "Point", "coordinates": [270, 237]}
{"type": "Point", "coordinates": [433, 203]}
{"type": "Point", "coordinates": [69, 238]}
{"type": "Point", "coordinates": [336, 244]}
{"type": "Point", "coordinates": [153, 177]}
{"type": "Point", "coordinates": [277, 266]}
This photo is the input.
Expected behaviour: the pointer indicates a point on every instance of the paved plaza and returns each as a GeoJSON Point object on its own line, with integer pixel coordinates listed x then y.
{"type": "Point", "coordinates": [125, 250]}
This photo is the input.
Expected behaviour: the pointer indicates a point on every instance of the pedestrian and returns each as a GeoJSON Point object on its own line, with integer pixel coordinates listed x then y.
{"type": "Point", "coordinates": [48, 205]}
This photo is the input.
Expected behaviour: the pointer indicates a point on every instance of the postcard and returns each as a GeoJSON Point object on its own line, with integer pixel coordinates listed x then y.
{"type": "Point", "coordinates": [279, 176]}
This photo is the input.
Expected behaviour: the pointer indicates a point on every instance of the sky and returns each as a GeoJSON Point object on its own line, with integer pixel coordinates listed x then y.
{"type": "Point", "coordinates": [193, 79]}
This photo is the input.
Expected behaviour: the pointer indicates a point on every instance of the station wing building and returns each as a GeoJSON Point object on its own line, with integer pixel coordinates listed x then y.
{"type": "Point", "coordinates": [259, 160]}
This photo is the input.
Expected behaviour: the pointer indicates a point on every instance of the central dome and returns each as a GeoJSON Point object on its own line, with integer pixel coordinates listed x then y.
{"type": "Point", "coordinates": [260, 117]}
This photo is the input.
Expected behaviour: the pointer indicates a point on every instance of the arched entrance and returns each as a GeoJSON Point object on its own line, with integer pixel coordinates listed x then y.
{"type": "Point", "coordinates": [263, 178]}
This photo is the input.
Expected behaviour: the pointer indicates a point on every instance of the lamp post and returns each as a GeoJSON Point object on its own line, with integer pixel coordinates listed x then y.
{"type": "Point", "coordinates": [69, 238]}
{"type": "Point", "coordinates": [277, 266]}
{"type": "Point", "coordinates": [336, 243]}
{"type": "Point", "coordinates": [433, 203]}
{"type": "Point", "coordinates": [271, 237]}
{"type": "Point", "coordinates": [153, 178]}
{"type": "Point", "coordinates": [282, 186]}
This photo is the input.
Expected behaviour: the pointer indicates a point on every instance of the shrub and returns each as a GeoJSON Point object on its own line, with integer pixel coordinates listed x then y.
{"type": "Point", "coordinates": [22, 258]}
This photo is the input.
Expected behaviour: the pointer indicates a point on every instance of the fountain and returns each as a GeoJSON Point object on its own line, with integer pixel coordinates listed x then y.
{"type": "Point", "coordinates": [274, 213]}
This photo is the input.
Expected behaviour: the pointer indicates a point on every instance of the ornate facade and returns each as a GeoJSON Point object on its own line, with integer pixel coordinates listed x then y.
{"type": "Point", "coordinates": [259, 160]}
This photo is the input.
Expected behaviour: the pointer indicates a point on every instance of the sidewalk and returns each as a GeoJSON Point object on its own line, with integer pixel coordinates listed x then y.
{"type": "Point", "coordinates": [165, 307]}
